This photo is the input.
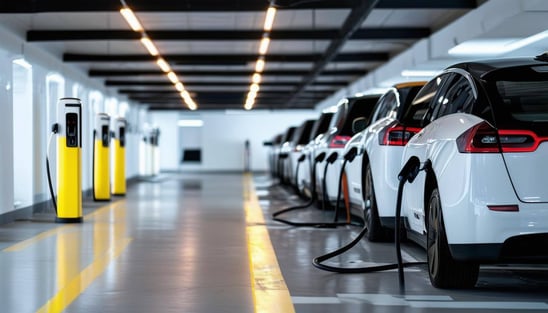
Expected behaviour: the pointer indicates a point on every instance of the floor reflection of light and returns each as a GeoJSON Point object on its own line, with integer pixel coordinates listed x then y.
{"type": "Point", "coordinates": [77, 263]}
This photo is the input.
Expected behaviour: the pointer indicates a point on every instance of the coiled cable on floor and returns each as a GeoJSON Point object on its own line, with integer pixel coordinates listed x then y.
{"type": "Point", "coordinates": [319, 158]}
{"type": "Point", "coordinates": [407, 174]}
{"type": "Point", "coordinates": [330, 160]}
{"type": "Point", "coordinates": [54, 130]}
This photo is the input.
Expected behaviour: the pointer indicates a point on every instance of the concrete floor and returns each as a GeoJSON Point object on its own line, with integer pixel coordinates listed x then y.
{"type": "Point", "coordinates": [187, 243]}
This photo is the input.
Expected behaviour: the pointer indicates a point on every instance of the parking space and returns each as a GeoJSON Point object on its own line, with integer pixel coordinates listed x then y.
{"type": "Point", "coordinates": [516, 288]}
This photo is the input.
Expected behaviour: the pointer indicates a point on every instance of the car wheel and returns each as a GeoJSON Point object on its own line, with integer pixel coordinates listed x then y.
{"type": "Point", "coordinates": [375, 232]}
{"type": "Point", "coordinates": [444, 271]}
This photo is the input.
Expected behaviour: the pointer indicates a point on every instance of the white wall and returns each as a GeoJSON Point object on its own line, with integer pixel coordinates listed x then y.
{"type": "Point", "coordinates": [223, 136]}
{"type": "Point", "coordinates": [6, 137]}
{"type": "Point", "coordinates": [43, 64]}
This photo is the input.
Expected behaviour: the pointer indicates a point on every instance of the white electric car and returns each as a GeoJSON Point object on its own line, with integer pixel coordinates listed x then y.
{"type": "Point", "coordinates": [305, 170]}
{"type": "Point", "coordinates": [340, 132]}
{"type": "Point", "coordinates": [483, 196]}
{"type": "Point", "coordinates": [373, 174]}
{"type": "Point", "coordinates": [300, 139]}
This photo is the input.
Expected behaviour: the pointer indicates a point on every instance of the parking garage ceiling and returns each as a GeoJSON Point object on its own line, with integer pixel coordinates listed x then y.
{"type": "Point", "coordinates": [317, 46]}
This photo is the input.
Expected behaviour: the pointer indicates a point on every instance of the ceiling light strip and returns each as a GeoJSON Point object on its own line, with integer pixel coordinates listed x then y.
{"type": "Point", "coordinates": [136, 26]}
{"type": "Point", "coordinates": [256, 78]}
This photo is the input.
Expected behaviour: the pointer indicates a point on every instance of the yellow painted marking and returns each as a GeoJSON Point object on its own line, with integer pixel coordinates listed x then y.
{"type": "Point", "coordinates": [270, 293]}
{"type": "Point", "coordinates": [52, 232]}
{"type": "Point", "coordinates": [110, 240]}
{"type": "Point", "coordinates": [78, 284]}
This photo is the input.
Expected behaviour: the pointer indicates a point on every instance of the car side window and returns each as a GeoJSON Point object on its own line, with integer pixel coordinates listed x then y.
{"type": "Point", "coordinates": [456, 97]}
{"type": "Point", "coordinates": [387, 104]}
{"type": "Point", "coordinates": [419, 113]}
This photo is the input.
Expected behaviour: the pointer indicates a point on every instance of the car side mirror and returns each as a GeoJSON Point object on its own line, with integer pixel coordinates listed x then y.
{"type": "Point", "coordinates": [359, 124]}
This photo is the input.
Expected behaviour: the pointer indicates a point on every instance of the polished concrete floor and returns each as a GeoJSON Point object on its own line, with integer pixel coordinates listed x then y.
{"type": "Point", "coordinates": [207, 243]}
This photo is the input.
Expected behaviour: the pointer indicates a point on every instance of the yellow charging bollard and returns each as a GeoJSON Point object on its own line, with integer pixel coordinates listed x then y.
{"type": "Point", "coordinates": [69, 161]}
{"type": "Point", "coordinates": [101, 158]}
{"type": "Point", "coordinates": [119, 143]}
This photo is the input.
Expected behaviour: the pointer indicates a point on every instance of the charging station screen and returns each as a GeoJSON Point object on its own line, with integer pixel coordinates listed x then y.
{"type": "Point", "coordinates": [104, 135]}
{"type": "Point", "coordinates": [72, 129]}
{"type": "Point", "coordinates": [122, 136]}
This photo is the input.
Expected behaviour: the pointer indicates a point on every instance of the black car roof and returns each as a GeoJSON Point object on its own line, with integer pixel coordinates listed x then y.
{"type": "Point", "coordinates": [486, 69]}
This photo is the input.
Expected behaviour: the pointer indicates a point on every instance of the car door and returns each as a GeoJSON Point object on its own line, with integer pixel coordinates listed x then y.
{"type": "Point", "coordinates": [423, 110]}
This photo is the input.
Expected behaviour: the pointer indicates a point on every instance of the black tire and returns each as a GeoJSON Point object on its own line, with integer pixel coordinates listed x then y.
{"type": "Point", "coordinates": [375, 232]}
{"type": "Point", "coordinates": [444, 271]}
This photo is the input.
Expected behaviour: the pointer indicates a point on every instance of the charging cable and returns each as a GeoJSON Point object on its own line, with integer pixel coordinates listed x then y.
{"type": "Point", "coordinates": [407, 174]}
{"type": "Point", "coordinates": [54, 130]}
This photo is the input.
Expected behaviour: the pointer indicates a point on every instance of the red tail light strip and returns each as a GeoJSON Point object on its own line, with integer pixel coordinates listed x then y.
{"type": "Point", "coordinates": [398, 135]}
{"type": "Point", "coordinates": [504, 208]}
{"type": "Point", "coordinates": [339, 141]}
{"type": "Point", "coordinates": [483, 138]}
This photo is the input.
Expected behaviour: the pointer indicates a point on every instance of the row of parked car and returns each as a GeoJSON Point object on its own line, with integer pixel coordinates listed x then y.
{"type": "Point", "coordinates": [480, 132]}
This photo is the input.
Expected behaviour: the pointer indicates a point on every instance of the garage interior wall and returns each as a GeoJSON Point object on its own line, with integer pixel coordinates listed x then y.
{"type": "Point", "coordinates": [31, 82]}
{"type": "Point", "coordinates": [223, 137]}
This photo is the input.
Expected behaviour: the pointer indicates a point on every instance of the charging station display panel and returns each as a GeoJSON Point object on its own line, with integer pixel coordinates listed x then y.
{"type": "Point", "coordinates": [69, 160]}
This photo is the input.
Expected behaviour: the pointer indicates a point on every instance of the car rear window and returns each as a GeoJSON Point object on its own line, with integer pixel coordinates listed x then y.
{"type": "Point", "coordinates": [525, 100]}
{"type": "Point", "coordinates": [322, 125]}
{"type": "Point", "coordinates": [360, 108]}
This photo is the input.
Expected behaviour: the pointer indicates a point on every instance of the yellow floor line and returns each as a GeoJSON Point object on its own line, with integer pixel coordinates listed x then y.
{"type": "Point", "coordinates": [78, 284]}
{"type": "Point", "coordinates": [52, 232]}
{"type": "Point", "coordinates": [270, 293]}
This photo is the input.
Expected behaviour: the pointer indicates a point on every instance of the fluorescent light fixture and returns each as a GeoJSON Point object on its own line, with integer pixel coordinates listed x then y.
{"type": "Point", "coordinates": [254, 87]}
{"type": "Point", "coordinates": [249, 104]}
{"type": "Point", "coordinates": [259, 66]}
{"type": "Point", "coordinates": [191, 105]}
{"type": "Point", "coordinates": [149, 45]}
{"type": "Point", "coordinates": [263, 48]}
{"type": "Point", "coordinates": [179, 86]}
{"type": "Point", "coordinates": [190, 123]}
{"type": "Point", "coordinates": [131, 19]}
{"type": "Point", "coordinates": [256, 78]}
{"type": "Point", "coordinates": [163, 65]}
{"type": "Point", "coordinates": [185, 95]}
{"type": "Point", "coordinates": [269, 20]}
{"type": "Point", "coordinates": [252, 94]}
{"type": "Point", "coordinates": [419, 73]}
{"type": "Point", "coordinates": [173, 77]}
{"type": "Point", "coordinates": [494, 47]}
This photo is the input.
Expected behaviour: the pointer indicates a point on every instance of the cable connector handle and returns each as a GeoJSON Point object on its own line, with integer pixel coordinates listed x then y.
{"type": "Point", "coordinates": [55, 128]}
{"type": "Point", "coordinates": [410, 170]}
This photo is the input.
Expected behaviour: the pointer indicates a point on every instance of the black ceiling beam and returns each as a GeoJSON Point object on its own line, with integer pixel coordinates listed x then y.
{"type": "Point", "coordinates": [262, 94]}
{"type": "Point", "coordinates": [214, 83]}
{"type": "Point", "coordinates": [197, 59]}
{"type": "Point", "coordinates": [106, 73]}
{"type": "Point", "coordinates": [34, 6]}
{"type": "Point", "coordinates": [351, 24]}
{"type": "Point", "coordinates": [158, 35]}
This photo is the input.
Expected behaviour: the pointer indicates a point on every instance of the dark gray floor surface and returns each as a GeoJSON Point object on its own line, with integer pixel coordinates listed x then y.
{"type": "Point", "coordinates": [499, 289]}
{"type": "Point", "coordinates": [188, 253]}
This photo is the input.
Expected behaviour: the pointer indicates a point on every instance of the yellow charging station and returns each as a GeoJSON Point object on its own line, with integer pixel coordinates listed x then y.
{"type": "Point", "coordinates": [101, 158]}
{"type": "Point", "coordinates": [119, 156]}
{"type": "Point", "coordinates": [69, 161]}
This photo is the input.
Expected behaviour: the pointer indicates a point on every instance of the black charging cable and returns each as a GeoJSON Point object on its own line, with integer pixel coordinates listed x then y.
{"type": "Point", "coordinates": [54, 130]}
{"type": "Point", "coordinates": [301, 158]}
{"type": "Point", "coordinates": [330, 160]}
{"type": "Point", "coordinates": [407, 174]}
{"type": "Point", "coordinates": [318, 159]}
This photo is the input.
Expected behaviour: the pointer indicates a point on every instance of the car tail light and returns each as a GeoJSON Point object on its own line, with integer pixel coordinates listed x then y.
{"type": "Point", "coordinates": [397, 135]}
{"type": "Point", "coordinates": [339, 141]}
{"type": "Point", "coordinates": [483, 138]}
